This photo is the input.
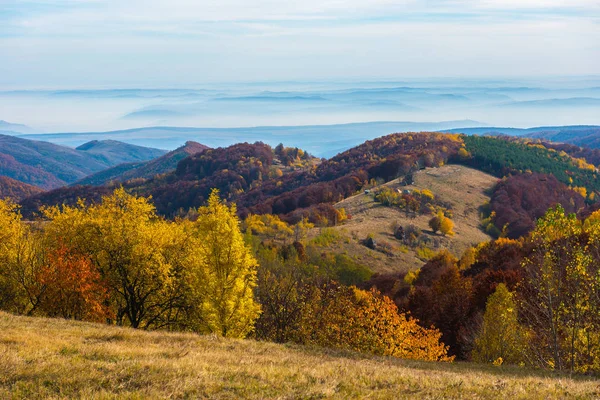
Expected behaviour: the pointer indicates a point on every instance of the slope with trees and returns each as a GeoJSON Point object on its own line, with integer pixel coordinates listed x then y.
{"type": "Point", "coordinates": [49, 166]}
{"type": "Point", "coordinates": [144, 170]}
{"type": "Point", "coordinates": [16, 190]}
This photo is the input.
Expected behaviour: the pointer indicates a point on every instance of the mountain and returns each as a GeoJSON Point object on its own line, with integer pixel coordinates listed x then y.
{"type": "Point", "coordinates": [114, 152]}
{"type": "Point", "coordinates": [579, 135]}
{"type": "Point", "coordinates": [49, 166]}
{"type": "Point", "coordinates": [540, 131]}
{"type": "Point", "coordinates": [285, 182]}
{"type": "Point", "coordinates": [318, 140]}
{"type": "Point", "coordinates": [161, 165]}
{"type": "Point", "coordinates": [6, 126]}
{"type": "Point", "coordinates": [16, 190]}
{"type": "Point", "coordinates": [588, 136]}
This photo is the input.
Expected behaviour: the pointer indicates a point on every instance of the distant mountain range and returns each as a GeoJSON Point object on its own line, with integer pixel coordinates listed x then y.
{"type": "Point", "coordinates": [579, 135]}
{"type": "Point", "coordinates": [148, 169]}
{"type": "Point", "coordinates": [49, 166]}
{"type": "Point", "coordinates": [318, 140]}
{"type": "Point", "coordinates": [100, 161]}
{"type": "Point", "coordinates": [9, 127]}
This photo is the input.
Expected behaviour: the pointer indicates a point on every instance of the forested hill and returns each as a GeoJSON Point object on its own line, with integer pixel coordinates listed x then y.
{"type": "Point", "coordinates": [16, 190]}
{"type": "Point", "coordinates": [302, 260]}
{"type": "Point", "coordinates": [49, 166]}
{"type": "Point", "coordinates": [147, 169]}
{"type": "Point", "coordinates": [290, 183]}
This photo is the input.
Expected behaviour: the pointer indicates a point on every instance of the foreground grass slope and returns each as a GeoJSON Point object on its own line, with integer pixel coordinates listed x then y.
{"type": "Point", "coordinates": [48, 358]}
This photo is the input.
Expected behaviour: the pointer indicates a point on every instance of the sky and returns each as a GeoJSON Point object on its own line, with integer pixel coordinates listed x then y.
{"type": "Point", "coordinates": [174, 43]}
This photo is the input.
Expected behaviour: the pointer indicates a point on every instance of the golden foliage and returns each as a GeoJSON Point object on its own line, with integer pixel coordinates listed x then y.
{"type": "Point", "coordinates": [501, 336]}
{"type": "Point", "coordinates": [366, 321]}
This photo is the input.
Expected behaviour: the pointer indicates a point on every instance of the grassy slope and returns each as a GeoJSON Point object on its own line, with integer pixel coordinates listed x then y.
{"type": "Point", "coordinates": [463, 187]}
{"type": "Point", "coordinates": [44, 358]}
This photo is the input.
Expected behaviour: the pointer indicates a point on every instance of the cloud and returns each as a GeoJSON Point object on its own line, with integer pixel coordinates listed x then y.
{"type": "Point", "coordinates": [159, 41]}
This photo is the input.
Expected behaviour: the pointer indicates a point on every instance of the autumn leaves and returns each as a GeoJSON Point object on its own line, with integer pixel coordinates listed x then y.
{"type": "Point", "coordinates": [118, 261]}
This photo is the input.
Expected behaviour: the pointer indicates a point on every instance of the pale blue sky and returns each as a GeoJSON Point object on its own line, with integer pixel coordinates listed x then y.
{"type": "Point", "coordinates": [158, 43]}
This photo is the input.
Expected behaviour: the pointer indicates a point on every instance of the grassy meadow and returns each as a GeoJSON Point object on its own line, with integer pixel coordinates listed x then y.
{"type": "Point", "coordinates": [52, 358]}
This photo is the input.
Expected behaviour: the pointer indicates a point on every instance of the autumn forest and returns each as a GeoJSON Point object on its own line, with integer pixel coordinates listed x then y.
{"type": "Point", "coordinates": [240, 242]}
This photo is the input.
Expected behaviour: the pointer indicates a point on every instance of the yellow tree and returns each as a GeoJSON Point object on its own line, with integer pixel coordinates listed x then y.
{"type": "Point", "coordinates": [136, 253]}
{"type": "Point", "coordinates": [559, 297]}
{"type": "Point", "coordinates": [441, 223]}
{"type": "Point", "coordinates": [21, 259]}
{"type": "Point", "coordinates": [501, 336]}
{"type": "Point", "coordinates": [366, 321]}
{"type": "Point", "coordinates": [222, 272]}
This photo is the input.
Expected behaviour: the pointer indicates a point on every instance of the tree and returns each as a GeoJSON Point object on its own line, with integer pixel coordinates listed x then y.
{"type": "Point", "coordinates": [223, 273]}
{"type": "Point", "coordinates": [559, 297]}
{"type": "Point", "coordinates": [137, 254]}
{"type": "Point", "coordinates": [446, 226]}
{"type": "Point", "coordinates": [73, 288]}
{"type": "Point", "coordinates": [21, 259]}
{"type": "Point", "coordinates": [435, 223]}
{"type": "Point", "coordinates": [366, 321]}
{"type": "Point", "coordinates": [441, 223]}
{"type": "Point", "coordinates": [501, 336]}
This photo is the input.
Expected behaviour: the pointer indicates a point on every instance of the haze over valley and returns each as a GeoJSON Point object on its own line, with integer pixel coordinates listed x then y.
{"type": "Point", "coordinates": [323, 117]}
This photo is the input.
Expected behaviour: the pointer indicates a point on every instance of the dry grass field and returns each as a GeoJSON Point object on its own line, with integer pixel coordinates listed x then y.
{"type": "Point", "coordinates": [51, 358]}
{"type": "Point", "coordinates": [464, 188]}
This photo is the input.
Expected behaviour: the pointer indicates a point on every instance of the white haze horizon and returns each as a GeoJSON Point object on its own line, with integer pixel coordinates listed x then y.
{"type": "Point", "coordinates": [104, 65]}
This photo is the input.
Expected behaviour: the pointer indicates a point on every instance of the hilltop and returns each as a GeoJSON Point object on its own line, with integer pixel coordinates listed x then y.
{"type": "Point", "coordinates": [56, 358]}
{"type": "Point", "coordinates": [49, 166]}
{"type": "Point", "coordinates": [145, 170]}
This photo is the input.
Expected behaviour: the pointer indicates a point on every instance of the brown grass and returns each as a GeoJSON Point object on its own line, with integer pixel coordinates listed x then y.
{"type": "Point", "coordinates": [463, 187]}
{"type": "Point", "coordinates": [50, 358]}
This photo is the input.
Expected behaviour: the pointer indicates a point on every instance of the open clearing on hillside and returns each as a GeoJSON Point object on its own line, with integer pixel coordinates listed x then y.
{"type": "Point", "coordinates": [464, 188]}
{"type": "Point", "coordinates": [52, 358]}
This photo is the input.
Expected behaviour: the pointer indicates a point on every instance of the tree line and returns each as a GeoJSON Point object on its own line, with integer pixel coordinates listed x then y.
{"type": "Point", "coordinates": [118, 262]}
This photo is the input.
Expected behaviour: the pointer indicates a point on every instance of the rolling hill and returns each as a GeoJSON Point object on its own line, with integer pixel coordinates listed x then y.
{"type": "Point", "coordinates": [54, 358]}
{"type": "Point", "coordinates": [115, 152]}
{"type": "Point", "coordinates": [579, 135]}
{"type": "Point", "coordinates": [464, 190]}
{"type": "Point", "coordinates": [16, 190]}
{"type": "Point", "coordinates": [49, 166]}
{"type": "Point", "coordinates": [146, 170]}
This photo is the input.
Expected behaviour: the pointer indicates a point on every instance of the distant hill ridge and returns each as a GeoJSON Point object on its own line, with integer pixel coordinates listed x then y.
{"type": "Point", "coordinates": [16, 190]}
{"type": "Point", "coordinates": [49, 166]}
{"type": "Point", "coordinates": [148, 169]}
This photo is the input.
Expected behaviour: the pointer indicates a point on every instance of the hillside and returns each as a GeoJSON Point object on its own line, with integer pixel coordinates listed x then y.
{"type": "Point", "coordinates": [540, 131]}
{"type": "Point", "coordinates": [16, 190]}
{"type": "Point", "coordinates": [146, 170]}
{"type": "Point", "coordinates": [55, 358]}
{"type": "Point", "coordinates": [463, 188]}
{"type": "Point", "coordinates": [290, 183]}
{"type": "Point", "coordinates": [579, 135]}
{"type": "Point", "coordinates": [49, 166]}
{"type": "Point", "coordinates": [113, 152]}
{"type": "Point", "coordinates": [587, 136]}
